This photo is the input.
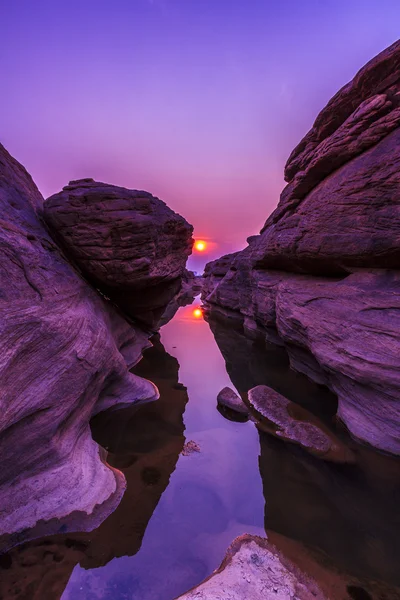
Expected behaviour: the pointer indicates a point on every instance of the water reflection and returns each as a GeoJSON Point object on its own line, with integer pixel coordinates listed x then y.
{"type": "Point", "coordinates": [144, 442]}
{"type": "Point", "coordinates": [180, 512]}
{"type": "Point", "coordinates": [350, 512]}
{"type": "Point", "coordinates": [156, 548]}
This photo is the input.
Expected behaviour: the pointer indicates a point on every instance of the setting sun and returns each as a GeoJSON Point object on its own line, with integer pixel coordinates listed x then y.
{"type": "Point", "coordinates": [197, 313]}
{"type": "Point", "coordinates": [200, 245]}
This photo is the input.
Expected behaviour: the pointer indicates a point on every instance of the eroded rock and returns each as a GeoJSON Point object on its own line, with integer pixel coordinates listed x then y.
{"type": "Point", "coordinates": [286, 420]}
{"type": "Point", "coordinates": [322, 278]}
{"type": "Point", "coordinates": [65, 354]}
{"type": "Point", "coordinates": [227, 397]}
{"type": "Point", "coordinates": [128, 243]}
{"type": "Point", "coordinates": [277, 567]}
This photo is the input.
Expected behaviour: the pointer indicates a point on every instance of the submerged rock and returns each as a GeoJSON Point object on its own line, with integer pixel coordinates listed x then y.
{"type": "Point", "coordinates": [227, 397]}
{"type": "Point", "coordinates": [277, 567]}
{"type": "Point", "coordinates": [128, 243]}
{"type": "Point", "coordinates": [65, 355]}
{"type": "Point", "coordinates": [190, 447]}
{"type": "Point", "coordinates": [350, 511]}
{"type": "Point", "coordinates": [310, 281]}
{"type": "Point", "coordinates": [293, 423]}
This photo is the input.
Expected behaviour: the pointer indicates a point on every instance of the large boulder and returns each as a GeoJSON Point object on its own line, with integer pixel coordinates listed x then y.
{"type": "Point", "coordinates": [322, 279]}
{"type": "Point", "coordinates": [65, 355]}
{"type": "Point", "coordinates": [341, 207]}
{"type": "Point", "coordinates": [128, 243]}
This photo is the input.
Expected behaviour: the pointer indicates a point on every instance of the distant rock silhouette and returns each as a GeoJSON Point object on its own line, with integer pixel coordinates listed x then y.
{"type": "Point", "coordinates": [323, 277]}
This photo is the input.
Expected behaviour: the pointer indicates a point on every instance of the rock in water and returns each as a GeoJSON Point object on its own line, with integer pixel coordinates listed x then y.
{"type": "Point", "coordinates": [227, 397]}
{"type": "Point", "coordinates": [293, 423]}
{"type": "Point", "coordinates": [64, 356]}
{"type": "Point", "coordinates": [278, 568]}
{"type": "Point", "coordinates": [128, 243]}
{"type": "Point", "coordinates": [322, 279]}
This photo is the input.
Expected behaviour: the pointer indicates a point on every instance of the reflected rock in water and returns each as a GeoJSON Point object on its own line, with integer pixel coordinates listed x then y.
{"type": "Point", "coordinates": [250, 363]}
{"type": "Point", "coordinates": [349, 512]}
{"type": "Point", "coordinates": [66, 351]}
{"type": "Point", "coordinates": [144, 443]}
{"type": "Point", "coordinates": [322, 278]}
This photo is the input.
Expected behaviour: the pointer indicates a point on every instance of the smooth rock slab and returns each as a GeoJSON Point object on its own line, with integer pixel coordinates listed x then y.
{"type": "Point", "coordinates": [227, 397]}
{"type": "Point", "coordinates": [284, 419]}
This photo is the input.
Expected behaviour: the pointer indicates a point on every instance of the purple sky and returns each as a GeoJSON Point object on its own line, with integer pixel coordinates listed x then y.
{"type": "Point", "coordinates": [197, 101]}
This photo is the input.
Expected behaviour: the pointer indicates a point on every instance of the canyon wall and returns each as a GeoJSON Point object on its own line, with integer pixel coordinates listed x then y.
{"type": "Point", "coordinates": [66, 350]}
{"type": "Point", "coordinates": [322, 279]}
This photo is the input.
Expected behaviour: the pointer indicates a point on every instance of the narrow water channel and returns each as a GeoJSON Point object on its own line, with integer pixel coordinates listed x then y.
{"type": "Point", "coordinates": [196, 480]}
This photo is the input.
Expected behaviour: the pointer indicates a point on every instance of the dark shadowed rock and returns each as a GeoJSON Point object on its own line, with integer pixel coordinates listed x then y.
{"type": "Point", "coordinates": [227, 397]}
{"type": "Point", "coordinates": [127, 242]}
{"type": "Point", "coordinates": [191, 286]}
{"type": "Point", "coordinates": [347, 511]}
{"type": "Point", "coordinates": [286, 420]}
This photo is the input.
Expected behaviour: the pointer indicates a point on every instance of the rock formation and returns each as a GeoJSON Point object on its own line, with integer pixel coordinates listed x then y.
{"type": "Point", "coordinates": [230, 399]}
{"type": "Point", "coordinates": [289, 421]}
{"type": "Point", "coordinates": [323, 279]}
{"type": "Point", "coordinates": [276, 567]}
{"type": "Point", "coordinates": [144, 443]}
{"type": "Point", "coordinates": [65, 355]}
{"type": "Point", "coordinates": [128, 243]}
{"type": "Point", "coordinates": [349, 512]}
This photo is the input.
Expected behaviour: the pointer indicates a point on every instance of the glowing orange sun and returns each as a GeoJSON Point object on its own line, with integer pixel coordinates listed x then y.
{"type": "Point", "coordinates": [197, 313]}
{"type": "Point", "coordinates": [200, 245]}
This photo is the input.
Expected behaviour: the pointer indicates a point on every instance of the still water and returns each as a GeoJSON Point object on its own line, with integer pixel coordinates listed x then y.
{"type": "Point", "coordinates": [213, 495]}
{"type": "Point", "coordinates": [182, 510]}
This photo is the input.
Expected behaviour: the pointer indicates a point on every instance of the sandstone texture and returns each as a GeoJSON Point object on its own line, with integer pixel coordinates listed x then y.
{"type": "Point", "coordinates": [143, 442]}
{"type": "Point", "coordinates": [341, 207]}
{"type": "Point", "coordinates": [278, 568]}
{"type": "Point", "coordinates": [128, 243]}
{"type": "Point", "coordinates": [322, 280]}
{"type": "Point", "coordinates": [65, 355]}
{"type": "Point", "coordinates": [227, 397]}
{"type": "Point", "coordinates": [286, 420]}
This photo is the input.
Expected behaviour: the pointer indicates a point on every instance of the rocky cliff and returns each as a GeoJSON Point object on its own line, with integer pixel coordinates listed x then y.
{"type": "Point", "coordinates": [66, 350]}
{"type": "Point", "coordinates": [323, 277]}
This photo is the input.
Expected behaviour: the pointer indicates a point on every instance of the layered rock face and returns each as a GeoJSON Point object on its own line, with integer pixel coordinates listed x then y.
{"type": "Point", "coordinates": [347, 512]}
{"type": "Point", "coordinates": [144, 443]}
{"type": "Point", "coordinates": [128, 243]}
{"type": "Point", "coordinates": [322, 279]}
{"type": "Point", "coordinates": [65, 352]}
